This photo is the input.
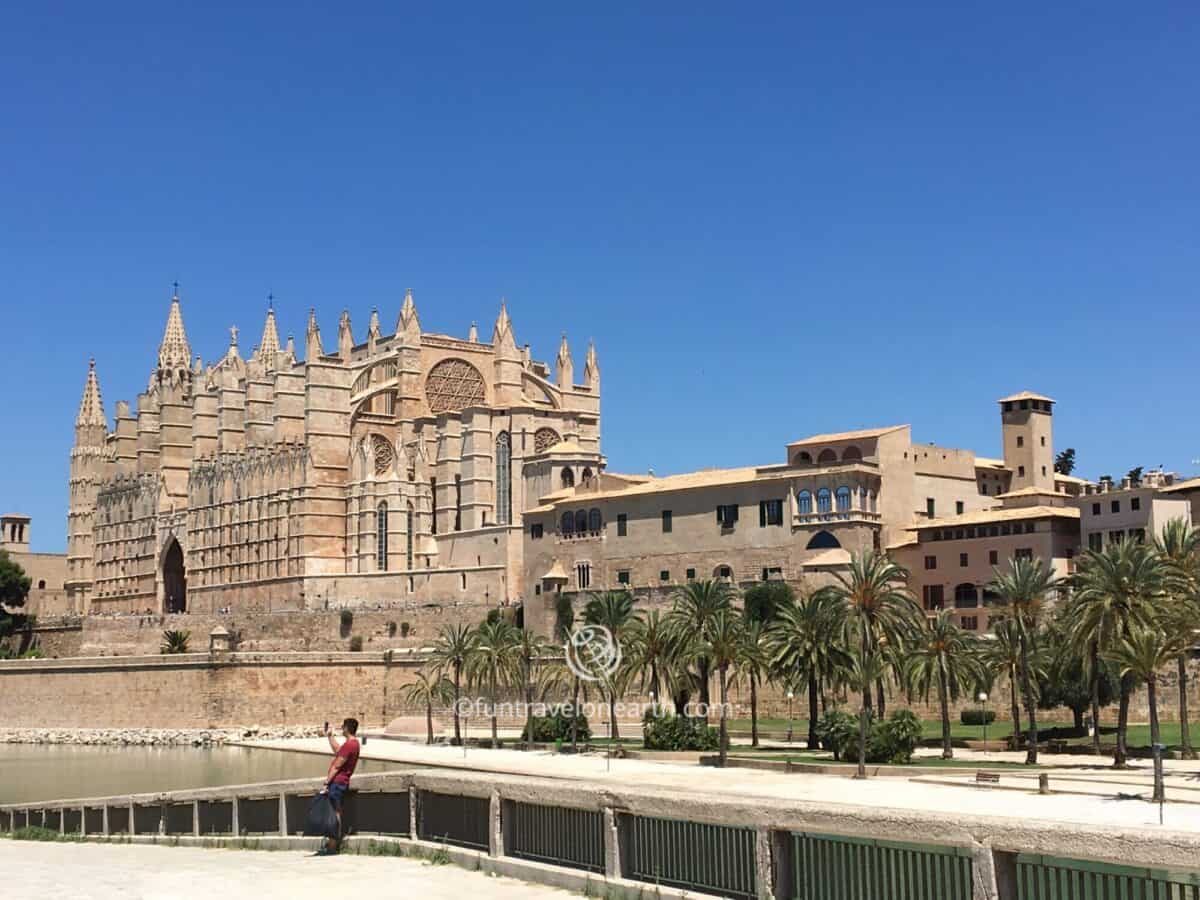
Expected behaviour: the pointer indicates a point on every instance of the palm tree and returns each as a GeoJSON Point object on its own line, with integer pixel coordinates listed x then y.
{"type": "Point", "coordinates": [650, 649]}
{"type": "Point", "coordinates": [754, 661]}
{"type": "Point", "coordinates": [1139, 654]}
{"type": "Point", "coordinates": [175, 641]}
{"type": "Point", "coordinates": [864, 670]}
{"type": "Point", "coordinates": [805, 646]}
{"type": "Point", "coordinates": [613, 610]}
{"type": "Point", "coordinates": [696, 604]}
{"type": "Point", "coordinates": [1179, 547]}
{"type": "Point", "coordinates": [431, 688]}
{"type": "Point", "coordinates": [945, 656]}
{"type": "Point", "coordinates": [722, 643]}
{"type": "Point", "coordinates": [451, 651]}
{"type": "Point", "coordinates": [1002, 656]}
{"type": "Point", "coordinates": [492, 662]}
{"type": "Point", "coordinates": [531, 647]}
{"type": "Point", "coordinates": [877, 610]}
{"type": "Point", "coordinates": [1116, 589]}
{"type": "Point", "coordinates": [1022, 590]}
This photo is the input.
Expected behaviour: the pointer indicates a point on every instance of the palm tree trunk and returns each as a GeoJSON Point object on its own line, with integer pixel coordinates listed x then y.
{"type": "Point", "coordinates": [429, 722]}
{"type": "Point", "coordinates": [724, 724]}
{"type": "Point", "coordinates": [1014, 695]}
{"type": "Point", "coordinates": [1152, 688]}
{"type": "Point", "coordinates": [702, 664]}
{"type": "Point", "coordinates": [575, 716]}
{"type": "Point", "coordinates": [944, 702]}
{"type": "Point", "coordinates": [753, 710]}
{"type": "Point", "coordinates": [1184, 731]}
{"type": "Point", "coordinates": [457, 731]}
{"type": "Point", "coordinates": [882, 704]}
{"type": "Point", "coordinates": [863, 716]}
{"type": "Point", "coordinates": [1095, 654]}
{"type": "Point", "coordinates": [1121, 756]}
{"type": "Point", "coordinates": [1031, 751]}
{"type": "Point", "coordinates": [812, 711]}
{"type": "Point", "coordinates": [495, 733]}
{"type": "Point", "coordinates": [612, 716]}
{"type": "Point", "coordinates": [528, 713]}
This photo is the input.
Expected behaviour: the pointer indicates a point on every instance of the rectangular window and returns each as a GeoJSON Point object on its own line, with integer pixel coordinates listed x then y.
{"type": "Point", "coordinates": [623, 576]}
{"type": "Point", "coordinates": [959, 507]}
{"type": "Point", "coordinates": [536, 530]}
{"type": "Point", "coordinates": [1020, 471]}
{"type": "Point", "coordinates": [930, 506]}
{"type": "Point", "coordinates": [1135, 502]}
{"type": "Point", "coordinates": [1020, 441]}
{"type": "Point", "coordinates": [727, 515]}
{"type": "Point", "coordinates": [1096, 541]}
{"type": "Point", "coordinates": [666, 520]}
{"type": "Point", "coordinates": [434, 507]}
{"type": "Point", "coordinates": [931, 596]}
{"type": "Point", "coordinates": [993, 557]}
{"type": "Point", "coordinates": [724, 572]}
{"type": "Point", "coordinates": [770, 512]}
{"type": "Point", "coordinates": [1095, 509]}
{"type": "Point", "coordinates": [1138, 534]}
{"type": "Point", "coordinates": [664, 575]}
{"type": "Point", "coordinates": [970, 623]}
{"type": "Point", "coordinates": [1116, 506]}
{"type": "Point", "coordinates": [982, 488]}
{"type": "Point", "coordinates": [771, 572]}
{"type": "Point", "coordinates": [583, 576]}
{"type": "Point", "coordinates": [691, 574]}
{"type": "Point", "coordinates": [458, 503]}
{"type": "Point", "coordinates": [1030, 527]}
{"type": "Point", "coordinates": [931, 562]}
{"type": "Point", "coordinates": [623, 525]}
{"type": "Point", "coordinates": [1023, 553]}
{"type": "Point", "coordinates": [1115, 537]}
{"type": "Point", "coordinates": [962, 560]}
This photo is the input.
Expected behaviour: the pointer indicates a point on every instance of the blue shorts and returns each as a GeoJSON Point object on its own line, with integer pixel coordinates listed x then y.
{"type": "Point", "coordinates": [337, 792]}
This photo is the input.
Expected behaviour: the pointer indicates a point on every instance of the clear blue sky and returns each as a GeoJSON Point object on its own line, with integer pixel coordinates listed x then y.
{"type": "Point", "coordinates": [773, 220]}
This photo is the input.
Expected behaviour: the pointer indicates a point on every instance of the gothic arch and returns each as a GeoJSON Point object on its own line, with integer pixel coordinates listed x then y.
{"type": "Point", "coordinates": [174, 577]}
{"type": "Point", "coordinates": [823, 540]}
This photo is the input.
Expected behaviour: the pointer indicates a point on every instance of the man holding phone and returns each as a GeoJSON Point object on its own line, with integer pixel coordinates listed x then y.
{"type": "Point", "coordinates": [337, 780]}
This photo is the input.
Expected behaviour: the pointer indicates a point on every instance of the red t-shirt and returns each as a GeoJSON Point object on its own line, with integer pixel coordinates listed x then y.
{"type": "Point", "coordinates": [348, 752]}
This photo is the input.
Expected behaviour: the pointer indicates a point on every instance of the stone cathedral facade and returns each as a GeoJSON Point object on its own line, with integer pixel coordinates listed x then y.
{"type": "Point", "coordinates": [394, 469]}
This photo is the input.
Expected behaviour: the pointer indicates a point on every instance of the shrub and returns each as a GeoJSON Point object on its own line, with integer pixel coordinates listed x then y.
{"type": "Point", "coordinates": [890, 741]}
{"type": "Point", "coordinates": [556, 726]}
{"type": "Point", "coordinates": [977, 716]}
{"type": "Point", "coordinates": [356, 643]}
{"type": "Point", "coordinates": [175, 641]}
{"type": "Point", "coordinates": [834, 729]}
{"type": "Point", "coordinates": [391, 629]}
{"type": "Point", "coordinates": [346, 621]}
{"type": "Point", "coordinates": [666, 732]}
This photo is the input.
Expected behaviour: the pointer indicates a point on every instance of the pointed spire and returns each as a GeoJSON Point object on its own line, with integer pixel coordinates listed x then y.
{"type": "Point", "coordinates": [408, 321]}
{"type": "Point", "coordinates": [373, 331]}
{"type": "Point", "coordinates": [233, 344]}
{"type": "Point", "coordinates": [591, 368]}
{"type": "Point", "coordinates": [290, 350]}
{"type": "Point", "coordinates": [268, 346]}
{"type": "Point", "coordinates": [174, 352]}
{"type": "Point", "coordinates": [345, 336]}
{"type": "Point", "coordinates": [473, 334]}
{"type": "Point", "coordinates": [198, 366]}
{"type": "Point", "coordinates": [566, 366]}
{"type": "Point", "coordinates": [91, 407]}
{"type": "Point", "coordinates": [503, 324]}
{"type": "Point", "coordinates": [312, 339]}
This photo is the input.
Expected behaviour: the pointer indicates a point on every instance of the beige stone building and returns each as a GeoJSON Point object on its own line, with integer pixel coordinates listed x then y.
{"type": "Point", "coordinates": [800, 519]}
{"type": "Point", "coordinates": [47, 571]}
{"type": "Point", "coordinates": [392, 469]}
{"type": "Point", "coordinates": [1133, 511]}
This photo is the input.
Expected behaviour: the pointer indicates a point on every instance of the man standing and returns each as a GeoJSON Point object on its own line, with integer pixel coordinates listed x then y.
{"type": "Point", "coordinates": [337, 781]}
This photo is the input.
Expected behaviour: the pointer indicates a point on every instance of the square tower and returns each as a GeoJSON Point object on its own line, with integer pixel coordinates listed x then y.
{"type": "Point", "coordinates": [1027, 422]}
{"type": "Point", "coordinates": [14, 532]}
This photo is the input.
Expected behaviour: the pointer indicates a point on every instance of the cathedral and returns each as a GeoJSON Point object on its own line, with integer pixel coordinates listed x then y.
{"type": "Point", "coordinates": [393, 469]}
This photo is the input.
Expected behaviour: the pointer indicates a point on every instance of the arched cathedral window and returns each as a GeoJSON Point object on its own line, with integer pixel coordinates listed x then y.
{"type": "Point", "coordinates": [408, 537]}
{"type": "Point", "coordinates": [503, 479]}
{"type": "Point", "coordinates": [381, 537]}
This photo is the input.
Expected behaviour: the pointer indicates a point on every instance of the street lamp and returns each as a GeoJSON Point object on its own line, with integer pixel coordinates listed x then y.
{"type": "Point", "coordinates": [983, 710]}
{"type": "Point", "coordinates": [789, 696]}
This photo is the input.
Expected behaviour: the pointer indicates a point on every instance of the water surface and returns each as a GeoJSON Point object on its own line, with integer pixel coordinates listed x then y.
{"type": "Point", "coordinates": [33, 772]}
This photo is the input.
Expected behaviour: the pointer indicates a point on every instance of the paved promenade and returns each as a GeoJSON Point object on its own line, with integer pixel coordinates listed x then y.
{"type": "Point", "coordinates": [1099, 801]}
{"type": "Point", "coordinates": [145, 872]}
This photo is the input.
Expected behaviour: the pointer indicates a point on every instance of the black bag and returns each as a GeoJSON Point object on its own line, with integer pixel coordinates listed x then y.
{"type": "Point", "coordinates": [321, 820]}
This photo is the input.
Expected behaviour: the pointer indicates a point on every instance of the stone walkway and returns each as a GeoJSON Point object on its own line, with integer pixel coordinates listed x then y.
{"type": "Point", "coordinates": [143, 872]}
{"type": "Point", "coordinates": [1104, 806]}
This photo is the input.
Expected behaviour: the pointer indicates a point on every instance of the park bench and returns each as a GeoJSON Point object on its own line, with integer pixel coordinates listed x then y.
{"type": "Point", "coordinates": [987, 778]}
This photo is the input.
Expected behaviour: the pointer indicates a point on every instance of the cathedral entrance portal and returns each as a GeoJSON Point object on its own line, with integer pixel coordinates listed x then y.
{"type": "Point", "coordinates": [174, 579]}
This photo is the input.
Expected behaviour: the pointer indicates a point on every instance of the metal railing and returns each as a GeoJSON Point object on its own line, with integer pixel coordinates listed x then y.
{"type": "Point", "coordinates": [833, 867]}
{"type": "Point", "coordinates": [713, 859]}
{"type": "Point", "coordinates": [452, 819]}
{"type": "Point", "coordinates": [555, 835]}
{"type": "Point", "coordinates": [1053, 878]}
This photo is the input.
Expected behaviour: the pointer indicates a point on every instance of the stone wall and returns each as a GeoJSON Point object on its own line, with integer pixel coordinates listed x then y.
{"type": "Point", "coordinates": [202, 691]}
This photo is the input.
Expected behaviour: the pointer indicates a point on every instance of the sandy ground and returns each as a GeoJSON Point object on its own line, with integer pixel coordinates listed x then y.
{"type": "Point", "coordinates": [144, 872]}
{"type": "Point", "coordinates": [1099, 803]}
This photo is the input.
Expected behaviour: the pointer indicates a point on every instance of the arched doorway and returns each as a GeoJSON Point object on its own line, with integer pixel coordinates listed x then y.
{"type": "Point", "coordinates": [174, 579]}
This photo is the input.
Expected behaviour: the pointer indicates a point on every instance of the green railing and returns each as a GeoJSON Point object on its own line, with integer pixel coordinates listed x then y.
{"type": "Point", "coordinates": [1053, 878]}
{"type": "Point", "coordinates": [556, 835]}
{"type": "Point", "coordinates": [712, 859]}
{"type": "Point", "coordinates": [831, 867]}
